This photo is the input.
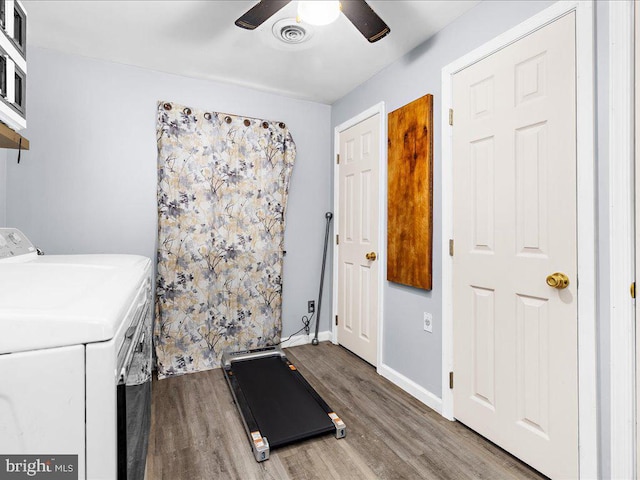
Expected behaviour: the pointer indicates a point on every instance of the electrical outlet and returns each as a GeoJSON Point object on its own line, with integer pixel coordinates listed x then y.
{"type": "Point", "coordinates": [428, 322]}
{"type": "Point", "coordinates": [311, 306]}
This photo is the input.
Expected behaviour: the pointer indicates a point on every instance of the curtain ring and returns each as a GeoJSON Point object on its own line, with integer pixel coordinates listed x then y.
{"type": "Point", "coordinates": [227, 119]}
{"type": "Point", "coordinates": [207, 116]}
{"type": "Point", "coordinates": [247, 123]}
{"type": "Point", "coordinates": [187, 111]}
{"type": "Point", "coordinates": [265, 125]}
{"type": "Point", "coordinates": [167, 106]}
{"type": "Point", "coordinates": [281, 125]}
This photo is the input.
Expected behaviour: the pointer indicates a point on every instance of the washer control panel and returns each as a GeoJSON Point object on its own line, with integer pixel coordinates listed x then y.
{"type": "Point", "coordinates": [13, 243]}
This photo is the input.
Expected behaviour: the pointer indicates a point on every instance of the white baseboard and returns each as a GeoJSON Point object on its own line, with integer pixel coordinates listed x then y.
{"type": "Point", "coordinates": [306, 339]}
{"type": "Point", "coordinates": [411, 387]}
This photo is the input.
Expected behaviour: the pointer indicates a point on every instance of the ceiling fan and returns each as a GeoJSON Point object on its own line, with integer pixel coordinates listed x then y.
{"type": "Point", "coordinates": [357, 11]}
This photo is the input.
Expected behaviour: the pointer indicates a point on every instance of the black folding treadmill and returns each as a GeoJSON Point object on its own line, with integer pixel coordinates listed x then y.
{"type": "Point", "coordinates": [276, 403]}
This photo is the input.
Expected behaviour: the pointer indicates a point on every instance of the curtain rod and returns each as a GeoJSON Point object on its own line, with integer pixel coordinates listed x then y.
{"type": "Point", "coordinates": [170, 105]}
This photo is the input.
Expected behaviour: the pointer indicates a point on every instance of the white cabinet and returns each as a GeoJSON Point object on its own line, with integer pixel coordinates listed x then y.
{"type": "Point", "coordinates": [13, 63]}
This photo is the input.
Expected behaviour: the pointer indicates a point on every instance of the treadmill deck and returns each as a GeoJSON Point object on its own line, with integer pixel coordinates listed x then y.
{"type": "Point", "coordinates": [277, 405]}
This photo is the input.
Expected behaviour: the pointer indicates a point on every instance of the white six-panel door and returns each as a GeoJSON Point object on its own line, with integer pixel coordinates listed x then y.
{"type": "Point", "coordinates": [514, 191]}
{"type": "Point", "coordinates": [358, 237]}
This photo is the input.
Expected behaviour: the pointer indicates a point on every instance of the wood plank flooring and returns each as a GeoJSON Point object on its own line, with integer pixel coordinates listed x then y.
{"type": "Point", "coordinates": [196, 431]}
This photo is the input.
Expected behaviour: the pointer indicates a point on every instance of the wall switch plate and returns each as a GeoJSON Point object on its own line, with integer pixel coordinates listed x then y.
{"type": "Point", "coordinates": [311, 306]}
{"type": "Point", "coordinates": [428, 322]}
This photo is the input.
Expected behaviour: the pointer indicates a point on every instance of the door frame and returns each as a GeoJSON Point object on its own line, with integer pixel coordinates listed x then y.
{"type": "Point", "coordinates": [382, 225]}
{"type": "Point", "coordinates": [586, 225]}
{"type": "Point", "coordinates": [621, 268]}
{"type": "Point", "coordinates": [636, 153]}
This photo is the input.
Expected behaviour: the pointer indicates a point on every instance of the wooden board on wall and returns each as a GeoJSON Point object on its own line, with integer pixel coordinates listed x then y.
{"type": "Point", "coordinates": [410, 194]}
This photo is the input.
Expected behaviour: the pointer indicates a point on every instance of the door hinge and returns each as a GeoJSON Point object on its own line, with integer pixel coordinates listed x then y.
{"type": "Point", "coordinates": [632, 290]}
{"type": "Point", "coordinates": [450, 379]}
{"type": "Point", "coordinates": [451, 116]}
{"type": "Point", "coordinates": [337, 239]}
{"type": "Point", "coordinates": [336, 319]}
{"type": "Point", "coordinates": [451, 247]}
{"type": "Point", "coordinates": [338, 159]}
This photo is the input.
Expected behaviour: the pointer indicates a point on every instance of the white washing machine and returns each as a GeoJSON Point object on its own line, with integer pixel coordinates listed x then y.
{"type": "Point", "coordinates": [75, 359]}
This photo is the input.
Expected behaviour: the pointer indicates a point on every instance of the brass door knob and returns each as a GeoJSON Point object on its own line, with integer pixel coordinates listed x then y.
{"type": "Point", "coordinates": [558, 280]}
{"type": "Point", "coordinates": [371, 256]}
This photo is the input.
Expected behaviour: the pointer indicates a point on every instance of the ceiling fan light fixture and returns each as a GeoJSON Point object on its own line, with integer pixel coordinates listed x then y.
{"type": "Point", "coordinates": [318, 12]}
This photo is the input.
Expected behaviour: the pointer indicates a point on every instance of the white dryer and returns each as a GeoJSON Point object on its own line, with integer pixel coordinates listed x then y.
{"type": "Point", "coordinates": [75, 358]}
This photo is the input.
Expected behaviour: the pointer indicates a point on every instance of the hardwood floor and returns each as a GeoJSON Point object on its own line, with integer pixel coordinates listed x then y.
{"type": "Point", "coordinates": [196, 431]}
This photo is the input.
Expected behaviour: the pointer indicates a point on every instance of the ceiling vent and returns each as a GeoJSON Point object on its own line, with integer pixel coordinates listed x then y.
{"type": "Point", "coordinates": [289, 31]}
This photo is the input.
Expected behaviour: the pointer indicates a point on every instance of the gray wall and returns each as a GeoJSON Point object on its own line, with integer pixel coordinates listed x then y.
{"type": "Point", "coordinates": [88, 184]}
{"type": "Point", "coordinates": [407, 348]}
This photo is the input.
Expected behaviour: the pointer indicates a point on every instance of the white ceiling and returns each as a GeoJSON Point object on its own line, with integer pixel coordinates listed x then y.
{"type": "Point", "coordinates": [199, 39]}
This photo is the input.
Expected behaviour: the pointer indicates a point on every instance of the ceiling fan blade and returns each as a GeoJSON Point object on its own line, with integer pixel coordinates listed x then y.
{"type": "Point", "coordinates": [365, 19]}
{"type": "Point", "coordinates": [260, 12]}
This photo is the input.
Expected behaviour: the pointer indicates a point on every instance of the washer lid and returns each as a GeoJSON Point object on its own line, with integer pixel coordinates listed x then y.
{"type": "Point", "coordinates": [53, 301]}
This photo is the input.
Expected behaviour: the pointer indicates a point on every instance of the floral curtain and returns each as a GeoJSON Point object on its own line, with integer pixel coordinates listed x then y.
{"type": "Point", "coordinates": [222, 192]}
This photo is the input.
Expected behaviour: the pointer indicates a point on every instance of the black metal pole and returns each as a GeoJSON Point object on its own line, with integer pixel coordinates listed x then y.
{"type": "Point", "coordinates": [328, 216]}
